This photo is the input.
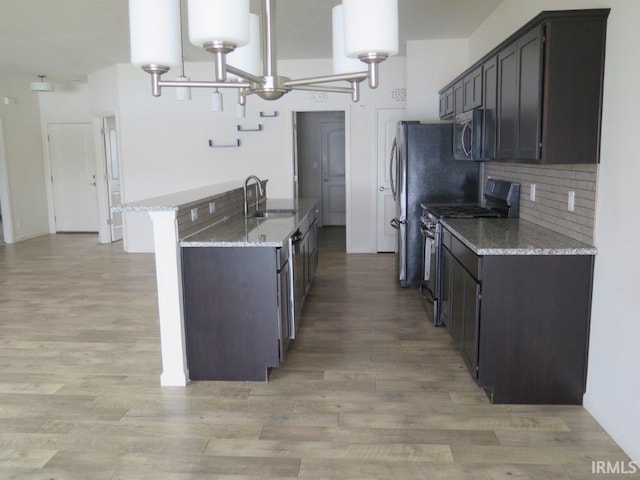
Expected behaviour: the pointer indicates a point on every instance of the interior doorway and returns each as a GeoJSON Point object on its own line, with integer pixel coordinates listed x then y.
{"type": "Point", "coordinates": [73, 177]}
{"type": "Point", "coordinates": [112, 177]}
{"type": "Point", "coordinates": [320, 156]}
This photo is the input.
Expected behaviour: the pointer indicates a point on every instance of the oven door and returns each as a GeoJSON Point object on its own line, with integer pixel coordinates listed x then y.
{"type": "Point", "coordinates": [427, 286]}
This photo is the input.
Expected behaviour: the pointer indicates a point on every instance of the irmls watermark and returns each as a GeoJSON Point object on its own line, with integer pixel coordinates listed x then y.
{"type": "Point", "coordinates": [618, 467]}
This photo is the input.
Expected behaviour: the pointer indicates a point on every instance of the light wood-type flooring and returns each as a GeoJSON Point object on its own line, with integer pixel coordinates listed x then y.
{"type": "Point", "coordinates": [369, 390]}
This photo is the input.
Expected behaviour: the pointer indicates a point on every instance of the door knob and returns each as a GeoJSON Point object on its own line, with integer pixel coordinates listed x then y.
{"type": "Point", "coordinates": [381, 189]}
{"type": "Point", "coordinates": [325, 180]}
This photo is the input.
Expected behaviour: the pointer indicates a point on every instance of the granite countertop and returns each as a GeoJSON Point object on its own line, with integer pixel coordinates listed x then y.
{"type": "Point", "coordinates": [174, 201]}
{"type": "Point", "coordinates": [501, 236]}
{"type": "Point", "coordinates": [237, 231]}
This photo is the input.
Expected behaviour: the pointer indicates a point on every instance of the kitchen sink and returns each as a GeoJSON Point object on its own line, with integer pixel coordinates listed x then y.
{"type": "Point", "coordinates": [274, 213]}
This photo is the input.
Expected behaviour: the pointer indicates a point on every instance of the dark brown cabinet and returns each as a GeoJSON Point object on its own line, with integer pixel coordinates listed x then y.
{"type": "Point", "coordinates": [446, 103]}
{"type": "Point", "coordinates": [472, 90]}
{"type": "Point", "coordinates": [490, 107]}
{"type": "Point", "coordinates": [458, 98]}
{"type": "Point", "coordinates": [521, 322]}
{"type": "Point", "coordinates": [549, 82]}
{"type": "Point", "coordinates": [518, 100]}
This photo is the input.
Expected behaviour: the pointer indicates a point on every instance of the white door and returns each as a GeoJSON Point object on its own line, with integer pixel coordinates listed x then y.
{"type": "Point", "coordinates": [73, 177]}
{"type": "Point", "coordinates": [333, 173]}
{"type": "Point", "coordinates": [114, 197]}
{"type": "Point", "coordinates": [386, 132]}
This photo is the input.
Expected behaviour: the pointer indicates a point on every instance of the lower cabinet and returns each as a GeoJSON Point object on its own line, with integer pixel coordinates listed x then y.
{"type": "Point", "coordinates": [238, 311]}
{"type": "Point", "coordinates": [521, 322]}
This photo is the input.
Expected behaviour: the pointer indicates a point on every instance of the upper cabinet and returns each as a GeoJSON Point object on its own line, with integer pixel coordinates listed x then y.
{"type": "Point", "coordinates": [472, 90]}
{"type": "Point", "coordinates": [541, 90]}
{"type": "Point", "coordinates": [446, 103]}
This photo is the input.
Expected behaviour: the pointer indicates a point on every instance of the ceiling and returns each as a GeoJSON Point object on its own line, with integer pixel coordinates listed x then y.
{"type": "Point", "coordinates": [68, 39]}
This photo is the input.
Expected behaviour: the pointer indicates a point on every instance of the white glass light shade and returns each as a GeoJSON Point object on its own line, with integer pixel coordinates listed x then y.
{"type": "Point", "coordinates": [241, 111]}
{"type": "Point", "coordinates": [41, 86]}
{"type": "Point", "coordinates": [249, 57]}
{"type": "Point", "coordinates": [154, 28]}
{"type": "Point", "coordinates": [183, 94]}
{"type": "Point", "coordinates": [371, 26]}
{"type": "Point", "coordinates": [216, 101]}
{"type": "Point", "coordinates": [225, 21]}
{"type": "Point", "coordinates": [342, 63]}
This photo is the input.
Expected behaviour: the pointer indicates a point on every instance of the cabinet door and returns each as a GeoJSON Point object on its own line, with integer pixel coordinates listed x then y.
{"type": "Point", "coordinates": [507, 104]}
{"type": "Point", "coordinates": [519, 98]}
{"type": "Point", "coordinates": [489, 103]}
{"type": "Point", "coordinates": [456, 321]}
{"type": "Point", "coordinates": [443, 105]}
{"type": "Point", "coordinates": [529, 95]}
{"type": "Point", "coordinates": [285, 308]}
{"type": "Point", "coordinates": [472, 90]}
{"type": "Point", "coordinates": [471, 321]}
{"type": "Point", "coordinates": [445, 290]}
{"type": "Point", "coordinates": [458, 98]}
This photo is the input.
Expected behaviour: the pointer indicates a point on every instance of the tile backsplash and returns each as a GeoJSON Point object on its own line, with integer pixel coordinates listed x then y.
{"type": "Point", "coordinates": [553, 183]}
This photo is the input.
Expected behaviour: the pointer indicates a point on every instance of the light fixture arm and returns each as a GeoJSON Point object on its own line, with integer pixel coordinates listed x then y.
{"type": "Point", "coordinates": [271, 86]}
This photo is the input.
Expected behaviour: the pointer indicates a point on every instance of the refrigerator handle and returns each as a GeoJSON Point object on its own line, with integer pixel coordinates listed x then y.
{"type": "Point", "coordinates": [393, 156]}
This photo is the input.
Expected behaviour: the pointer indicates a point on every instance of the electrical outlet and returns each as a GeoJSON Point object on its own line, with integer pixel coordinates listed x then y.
{"type": "Point", "coordinates": [212, 207]}
{"type": "Point", "coordinates": [532, 192]}
{"type": "Point", "coordinates": [571, 201]}
{"type": "Point", "coordinates": [194, 214]}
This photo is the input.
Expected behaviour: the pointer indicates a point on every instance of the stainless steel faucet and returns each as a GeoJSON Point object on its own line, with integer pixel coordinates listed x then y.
{"type": "Point", "coordinates": [258, 195]}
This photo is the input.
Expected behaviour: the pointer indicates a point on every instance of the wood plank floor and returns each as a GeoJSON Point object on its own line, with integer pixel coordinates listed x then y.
{"type": "Point", "coordinates": [370, 389]}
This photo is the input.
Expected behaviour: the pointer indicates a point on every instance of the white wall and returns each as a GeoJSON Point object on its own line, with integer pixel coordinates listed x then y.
{"type": "Point", "coordinates": [164, 143]}
{"type": "Point", "coordinates": [25, 166]}
{"type": "Point", "coordinates": [613, 387]}
{"type": "Point", "coordinates": [431, 64]}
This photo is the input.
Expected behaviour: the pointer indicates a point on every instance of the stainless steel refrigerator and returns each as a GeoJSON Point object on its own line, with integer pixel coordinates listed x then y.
{"type": "Point", "coordinates": [423, 170]}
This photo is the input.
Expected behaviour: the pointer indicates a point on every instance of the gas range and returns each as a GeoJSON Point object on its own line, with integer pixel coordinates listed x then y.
{"type": "Point", "coordinates": [502, 201]}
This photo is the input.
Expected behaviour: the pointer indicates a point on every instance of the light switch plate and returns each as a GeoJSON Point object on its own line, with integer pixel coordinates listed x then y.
{"type": "Point", "coordinates": [532, 192]}
{"type": "Point", "coordinates": [212, 207]}
{"type": "Point", "coordinates": [194, 214]}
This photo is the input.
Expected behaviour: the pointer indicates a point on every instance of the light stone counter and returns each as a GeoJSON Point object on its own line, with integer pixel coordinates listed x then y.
{"type": "Point", "coordinates": [237, 231]}
{"type": "Point", "coordinates": [500, 236]}
{"type": "Point", "coordinates": [173, 201]}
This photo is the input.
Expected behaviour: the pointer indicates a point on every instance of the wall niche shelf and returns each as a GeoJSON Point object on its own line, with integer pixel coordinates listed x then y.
{"type": "Point", "coordinates": [243, 129]}
{"type": "Point", "coordinates": [228, 145]}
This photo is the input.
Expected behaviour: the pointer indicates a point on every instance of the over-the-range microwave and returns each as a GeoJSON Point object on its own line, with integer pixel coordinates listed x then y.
{"type": "Point", "coordinates": [467, 135]}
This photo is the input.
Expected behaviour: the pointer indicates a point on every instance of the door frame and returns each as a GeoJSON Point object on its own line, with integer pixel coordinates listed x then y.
{"type": "Point", "coordinates": [347, 160]}
{"type": "Point", "coordinates": [104, 230]}
{"type": "Point", "coordinates": [5, 190]}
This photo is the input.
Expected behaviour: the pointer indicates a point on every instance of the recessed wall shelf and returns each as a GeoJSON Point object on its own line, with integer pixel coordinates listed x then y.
{"type": "Point", "coordinates": [257, 129]}
{"type": "Point", "coordinates": [274, 114]}
{"type": "Point", "coordinates": [229, 145]}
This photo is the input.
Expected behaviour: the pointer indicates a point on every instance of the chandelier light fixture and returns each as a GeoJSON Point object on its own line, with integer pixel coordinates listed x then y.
{"type": "Point", "coordinates": [365, 33]}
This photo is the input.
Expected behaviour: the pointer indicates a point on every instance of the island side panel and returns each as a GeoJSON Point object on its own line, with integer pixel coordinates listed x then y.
{"type": "Point", "coordinates": [170, 307]}
{"type": "Point", "coordinates": [231, 309]}
{"type": "Point", "coordinates": [534, 327]}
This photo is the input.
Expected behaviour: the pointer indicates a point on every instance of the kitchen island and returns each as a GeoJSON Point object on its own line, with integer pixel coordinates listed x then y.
{"type": "Point", "coordinates": [516, 299]}
{"type": "Point", "coordinates": [209, 222]}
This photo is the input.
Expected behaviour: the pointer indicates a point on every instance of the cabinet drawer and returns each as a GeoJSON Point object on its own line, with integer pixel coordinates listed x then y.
{"type": "Point", "coordinates": [466, 257]}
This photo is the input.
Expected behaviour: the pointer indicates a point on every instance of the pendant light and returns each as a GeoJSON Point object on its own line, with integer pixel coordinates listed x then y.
{"type": "Point", "coordinates": [224, 26]}
{"type": "Point", "coordinates": [183, 94]}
